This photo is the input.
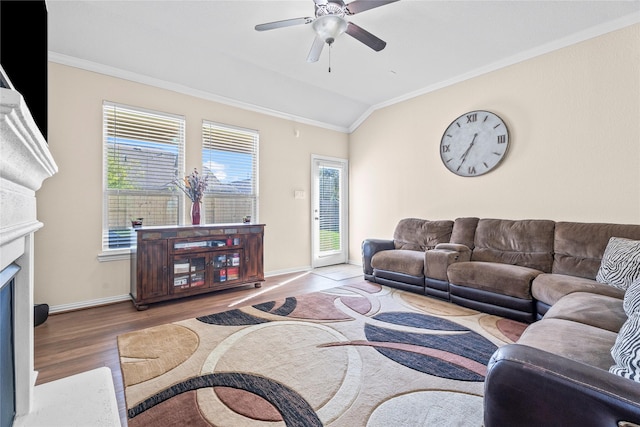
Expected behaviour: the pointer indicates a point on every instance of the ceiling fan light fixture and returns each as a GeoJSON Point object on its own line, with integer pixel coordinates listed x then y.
{"type": "Point", "coordinates": [329, 27]}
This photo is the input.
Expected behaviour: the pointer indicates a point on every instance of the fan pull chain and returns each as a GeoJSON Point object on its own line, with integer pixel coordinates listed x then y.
{"type": "Point", "coordinates": [330, 44]}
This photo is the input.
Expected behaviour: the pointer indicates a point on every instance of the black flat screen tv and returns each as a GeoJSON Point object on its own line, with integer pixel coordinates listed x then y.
{"type": "Point", "coordinates": [23, 53]}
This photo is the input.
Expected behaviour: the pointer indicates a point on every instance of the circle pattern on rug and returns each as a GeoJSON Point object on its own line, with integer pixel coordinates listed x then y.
{"type": "Point", "coordinates": [293, 355]}
{"type": "Point", "coordinates": [151, 352]}
{"type": "Point", "coordinates": [429, 408]}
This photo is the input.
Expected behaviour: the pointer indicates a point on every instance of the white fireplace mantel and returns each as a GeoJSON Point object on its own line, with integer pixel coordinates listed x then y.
{"type": "Point", "coordinates": [25, 162]}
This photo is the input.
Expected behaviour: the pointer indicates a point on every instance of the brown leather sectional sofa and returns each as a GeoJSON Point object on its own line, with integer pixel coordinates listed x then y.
{"type": "Point", "coordinates": [536, 271]}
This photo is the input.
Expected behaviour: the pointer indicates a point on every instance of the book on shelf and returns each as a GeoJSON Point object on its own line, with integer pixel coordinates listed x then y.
{"type": "Point", "coordinates": [181, 281]}
{"type": "Point", "coordinates": [180, 268]}
{"type": "Point", "coordinates": [220, 275]}
{"type": "Point", "coordinates": [233, 273]}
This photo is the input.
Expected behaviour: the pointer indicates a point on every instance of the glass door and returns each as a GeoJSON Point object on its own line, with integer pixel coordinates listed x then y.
{"type": "Point", "coordinates": [329, 210]}
{"type": "Point", "coordinates": [226, 267]}
{"type": "Point", "coordinates": [189, 272]}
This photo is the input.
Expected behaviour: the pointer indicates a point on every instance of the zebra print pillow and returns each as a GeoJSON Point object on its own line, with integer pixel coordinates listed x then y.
{"type": "Point", "coordinates": [631, 302]}
{"type": "Point", "coordinates": [626, 350]}
{"type": "Point", "coordinates": [620, 264]}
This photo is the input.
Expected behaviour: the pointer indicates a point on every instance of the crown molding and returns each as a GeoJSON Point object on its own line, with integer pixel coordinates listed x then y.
{"type": "Point", "coordinates": [576, 38]}
{"type": "Point", "coordinates": [95, 67]}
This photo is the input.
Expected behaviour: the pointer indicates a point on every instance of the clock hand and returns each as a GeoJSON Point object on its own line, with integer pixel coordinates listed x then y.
{"type": "Point", "coordinates": [464, 155]}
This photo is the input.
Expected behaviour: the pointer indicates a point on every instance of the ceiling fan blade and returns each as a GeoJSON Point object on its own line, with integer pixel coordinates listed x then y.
{"type": "Point", "coordinates": [358, 6]}
{"type": "Point", "coordinates": [365, 37]}
{"type": "Point", "coordinates": [285, 23]}
{"type": "Point", "coordinates": [316, 50]}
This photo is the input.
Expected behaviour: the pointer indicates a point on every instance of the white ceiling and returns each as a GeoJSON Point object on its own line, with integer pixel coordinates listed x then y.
{"type": "Point", "coordinates": [210, 48]}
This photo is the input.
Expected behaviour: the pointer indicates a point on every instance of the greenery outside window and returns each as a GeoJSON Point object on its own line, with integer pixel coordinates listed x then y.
{"type": "Point", "coordinates": [143, 155]}
{"type": "Point", "coordinates": [230, 160]}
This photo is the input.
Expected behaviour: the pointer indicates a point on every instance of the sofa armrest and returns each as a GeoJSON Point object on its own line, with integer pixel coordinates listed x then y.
{"type": "Point", "coordinates": [464, 250]}
{"type": "Point", "coordinates": [437, 260]}
{"type": "Point", "coordinates": [526, 386]}
{"type": "Point", "coordinates": [369, 249]}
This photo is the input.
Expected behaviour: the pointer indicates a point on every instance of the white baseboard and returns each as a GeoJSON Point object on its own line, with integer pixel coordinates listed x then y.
{"type": "Point", "coordinates": [287, 271]}
{"type": "Point", "coordinates": [87, 304]}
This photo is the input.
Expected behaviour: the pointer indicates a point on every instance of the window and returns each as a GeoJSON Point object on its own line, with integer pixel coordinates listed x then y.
{"type": "Point", "coordinates": [230, 159]}
{"type": "Point", "coordinates": [143, 155]}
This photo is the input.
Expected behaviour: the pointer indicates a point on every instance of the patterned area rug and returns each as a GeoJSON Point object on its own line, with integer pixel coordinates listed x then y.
{"type": "Point", "coordinates": [357, 355]}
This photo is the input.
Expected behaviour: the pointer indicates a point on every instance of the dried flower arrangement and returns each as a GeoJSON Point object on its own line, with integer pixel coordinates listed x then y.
{"type": "Point", "coordinates": [193, 185]}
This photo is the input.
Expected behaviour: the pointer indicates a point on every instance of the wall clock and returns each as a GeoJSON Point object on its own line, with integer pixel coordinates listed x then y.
{"type": "Point", "coordinates": [474, 143]}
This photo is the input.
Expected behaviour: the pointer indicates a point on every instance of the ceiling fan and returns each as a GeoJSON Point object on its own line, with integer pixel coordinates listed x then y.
{"type": "Point", "coordinates": [330, 22]}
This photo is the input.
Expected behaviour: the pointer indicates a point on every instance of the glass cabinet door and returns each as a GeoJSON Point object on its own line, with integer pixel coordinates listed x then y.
{"type": "Point", "coordinates": [226, 267]}
{"type": "Point", "coordinates": [189, 272]}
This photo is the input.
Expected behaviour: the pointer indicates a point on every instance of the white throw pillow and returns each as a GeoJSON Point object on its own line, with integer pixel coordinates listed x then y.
{"type": "Point", "coordinates": [620, 265]}
{"type": "Point", "coordinates": [626, 350]}
{"type": "Point", "coordinates": [631, 302]}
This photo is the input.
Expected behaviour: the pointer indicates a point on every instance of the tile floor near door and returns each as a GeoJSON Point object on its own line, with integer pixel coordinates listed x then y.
{"type": "Point", "coordinates": [339, 271]}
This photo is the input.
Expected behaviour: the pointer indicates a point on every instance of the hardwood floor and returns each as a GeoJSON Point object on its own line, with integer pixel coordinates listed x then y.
{"type": "Point", "coordinates": [77, 341]}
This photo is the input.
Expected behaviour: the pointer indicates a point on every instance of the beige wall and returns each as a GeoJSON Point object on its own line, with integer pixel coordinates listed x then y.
{"type": "Point", "coordinates": [574, 121]}
{"type": "Point", "coordinates": [70, 204]}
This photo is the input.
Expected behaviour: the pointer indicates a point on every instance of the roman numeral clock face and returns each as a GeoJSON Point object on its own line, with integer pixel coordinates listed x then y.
{"type": "Point", "coordinates": [474, 143]}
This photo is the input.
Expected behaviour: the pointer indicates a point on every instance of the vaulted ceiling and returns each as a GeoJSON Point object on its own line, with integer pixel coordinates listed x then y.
{"type": "Point", "coordinates": [211, 49]}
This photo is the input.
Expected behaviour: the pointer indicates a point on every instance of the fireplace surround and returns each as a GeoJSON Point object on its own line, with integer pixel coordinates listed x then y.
{"type": "Point", "coordinates": [25, 162]}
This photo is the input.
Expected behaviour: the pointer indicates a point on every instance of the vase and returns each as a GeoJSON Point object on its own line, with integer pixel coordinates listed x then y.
{"type": "Point", "coordinates": [195, 213]}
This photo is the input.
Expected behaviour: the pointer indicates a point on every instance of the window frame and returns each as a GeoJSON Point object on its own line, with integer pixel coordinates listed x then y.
{"type": "Point", "coordinates": [108, 253]}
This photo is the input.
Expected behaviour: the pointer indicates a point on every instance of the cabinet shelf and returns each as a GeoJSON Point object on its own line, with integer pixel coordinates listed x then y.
{"type": "Point", "coordinates": [207, 244]}
{"type": "Point", "coordinates": [174, 262]}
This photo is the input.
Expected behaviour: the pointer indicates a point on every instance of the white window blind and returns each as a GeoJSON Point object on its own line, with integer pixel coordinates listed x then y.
{"type": "Point", "coordinates": [230, 159]}
{"type": "Point", "coordinates": [143, 155]}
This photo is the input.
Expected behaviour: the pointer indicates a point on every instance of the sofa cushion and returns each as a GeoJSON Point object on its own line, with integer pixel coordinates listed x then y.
{"type": "Point", "coordinates": [549, 288]}
{"type": "Point", "coordinates": [464, 231]}
{"type": "Point", "coordinates": [527, 243]}
{"type": "Point", "coordinates": [626, 350]}
{"type": "Point", "coordinates": [573, 340]}
{"type": "Point", "coordinates": [421, 234]}
{"type": "Point", "coordinates": [399, 260]}
{"type": "Point", "coordinates": [578, 247]}
{"type": "Point", "coordinates": [504, 279]}
{"type": "Point", "coordinates": [620, 264]}
{"type": "Point", "coordinates": [632, 298]}
{"type": "Point", "coordinates": [601, 311]}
